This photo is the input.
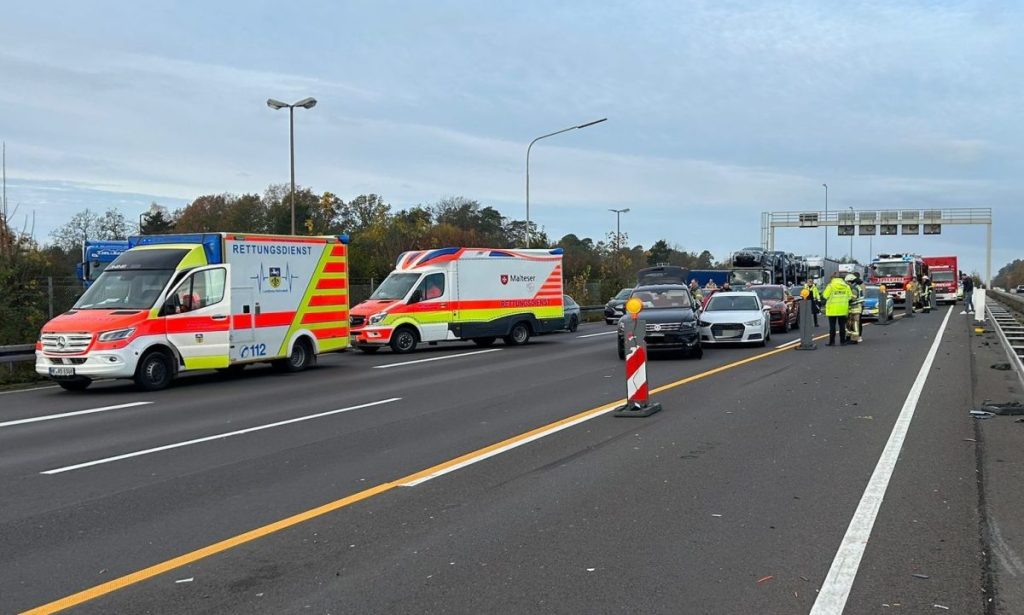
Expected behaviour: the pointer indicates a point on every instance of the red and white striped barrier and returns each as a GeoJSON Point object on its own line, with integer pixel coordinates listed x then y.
{"type": "Point", "coordinates": [637, 391]}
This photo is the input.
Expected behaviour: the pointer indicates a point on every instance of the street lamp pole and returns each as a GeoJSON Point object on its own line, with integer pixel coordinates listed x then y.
{"type": "Point", "coordinates": [826, 224]}
{"type": "Point", "coordinates": [305, 103]}
{"type": "Point", "coordinates": [618, 227]}
{"type": "Point", "coordinates": [530, 147]}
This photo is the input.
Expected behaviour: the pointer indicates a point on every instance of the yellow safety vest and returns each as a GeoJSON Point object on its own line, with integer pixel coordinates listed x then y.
{"type": "Point", "coordinates": [837, 298]}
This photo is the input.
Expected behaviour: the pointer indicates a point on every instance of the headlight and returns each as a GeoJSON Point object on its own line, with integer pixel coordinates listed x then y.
{"type": "Point", "coordinates": [119, 334]}
{"type": "Point", "coordinates": [689, 324]}
{"type": "Point", "coordinates": [703, 323]}
{"type": "Point", "coordinates": [754, 323]}
{"type": "Point", "coordinates": [378, 317]}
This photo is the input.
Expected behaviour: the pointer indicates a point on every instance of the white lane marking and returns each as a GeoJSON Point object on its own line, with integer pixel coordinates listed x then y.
{"type": "Point", "coordinates": [447, 356]}
{"type": "Point", "coordinates": [50, 417]}
{"type": "Point", "coordinates": [220, 436]}
{"type": "Point", "coordinates": [788, 344]}
{"type": "Point", "coordinates": [54, 386]}
{"type": "Point", "coordinates": [508, 447]}
{"type": "Point", "coordinates": [579, 337]}
{"type": "Point", "coordinates": [836, 588]}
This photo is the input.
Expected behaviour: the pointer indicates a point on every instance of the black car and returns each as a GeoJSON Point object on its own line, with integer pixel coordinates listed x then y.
{"type": "Point", "coordinates": [670, 316]}
{"type": "Point", "coordinates": [613, 310]}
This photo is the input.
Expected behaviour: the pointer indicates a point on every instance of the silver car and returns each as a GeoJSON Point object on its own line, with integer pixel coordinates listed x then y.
{"type": "Point", "coordinates": [736, 317]}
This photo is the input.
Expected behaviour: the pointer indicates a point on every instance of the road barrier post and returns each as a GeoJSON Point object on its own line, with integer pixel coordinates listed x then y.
{"type": "Point", "coordinates": [908, 302]}
{"type": "Point", "coordinates": [637, 392]}
{"type": "Point", "coordinates": [806, 322]}
{"type": "Point", "coordinates": [883, 305]}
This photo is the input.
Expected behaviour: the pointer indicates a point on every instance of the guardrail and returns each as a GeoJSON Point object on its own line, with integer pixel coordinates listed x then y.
{"type": "Point", "coordinates": [17, 353]}
{"type": "Point", "coordinates": [1012, 299]}
{"type": "Point", "coordinates": [1008, 338]}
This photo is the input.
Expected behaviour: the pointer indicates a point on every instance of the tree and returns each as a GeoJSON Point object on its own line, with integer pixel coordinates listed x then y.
{"type": "Point", "coordinates": [156, 221]}
{"type": "Point", "coordinates": [87, 225]}
{"type": "Point", "coordinates": [659, 253]}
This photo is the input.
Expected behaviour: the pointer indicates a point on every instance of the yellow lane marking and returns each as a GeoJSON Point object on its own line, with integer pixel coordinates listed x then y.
{"type": "Point", "coordinates": [260, 532]}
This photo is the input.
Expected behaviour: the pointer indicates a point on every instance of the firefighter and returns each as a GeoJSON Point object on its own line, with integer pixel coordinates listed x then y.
{"type": "Point", "coordinates": [926, 294]}
{"type": "Point", "coordinates": [698, 296]}
{"type": "Point", "coordinates": [813, 299]}
{"type": "Point", "coordinates": [856, 307]}
{"type": "Point", "coordinates": [837, 306]}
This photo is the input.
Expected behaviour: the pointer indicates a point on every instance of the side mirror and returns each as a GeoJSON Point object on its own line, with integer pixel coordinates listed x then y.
{"type": "Point", "coordinates": [170, 306]}
{"type": "Point", "coordinates": [417, 296]}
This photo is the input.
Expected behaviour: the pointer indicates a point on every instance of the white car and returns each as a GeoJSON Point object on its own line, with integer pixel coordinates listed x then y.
{"type": "Point", "coordinates": [734, 317]}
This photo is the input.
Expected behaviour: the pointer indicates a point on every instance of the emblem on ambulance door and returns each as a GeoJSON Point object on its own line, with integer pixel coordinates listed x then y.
{"type": "Point", "coordinates": [275, 277]}
{"type": "Point", "coordinates": [504, 278]}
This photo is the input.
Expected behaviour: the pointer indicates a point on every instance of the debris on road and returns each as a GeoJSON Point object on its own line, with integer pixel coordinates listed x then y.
{"type": "Point", "coordinates": [715, 515]}
{"type": "Point", "coordinates": [981, 414]}
{"type": "Point", "coordinates": [921, 576]}
{"type": "Point", "coordinates": [1009, 408]}
{"type": "Point", "coordinates": [765, 579]}
{"type": "Point", "coordinates": [188, 580]}
{"type": "Point", "coordinates": [941, 606]}
{"type": "Point", "coordinates": [1001, 366]}
{"type": "Point", "coordinates": [591, 569]}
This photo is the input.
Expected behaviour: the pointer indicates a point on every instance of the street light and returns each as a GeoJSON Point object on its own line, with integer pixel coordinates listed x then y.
{"type": "Point", "coordinates": [305, 103]}
{"type": "Point", "coordinates": [618, 231]}
{"type": "Point", "coordinates": [826, 225]}
{"type": "Point", "coordinates": [530, 147]}
{"type": "Point", "coordinates": [854, 220]}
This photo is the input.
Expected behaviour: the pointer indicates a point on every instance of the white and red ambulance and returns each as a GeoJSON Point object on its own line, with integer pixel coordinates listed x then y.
{"type": "Point", "coordinates": [453, 294]}
{"type": "Point", "coordinates": [172, 303]}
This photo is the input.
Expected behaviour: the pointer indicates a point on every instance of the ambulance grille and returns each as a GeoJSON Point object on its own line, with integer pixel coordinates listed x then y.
{"type": "Point", "coordinates": [66, 343]}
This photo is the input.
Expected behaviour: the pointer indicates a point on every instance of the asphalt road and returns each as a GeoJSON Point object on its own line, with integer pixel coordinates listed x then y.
{"type": "Point", "coordinates": [735, 498]}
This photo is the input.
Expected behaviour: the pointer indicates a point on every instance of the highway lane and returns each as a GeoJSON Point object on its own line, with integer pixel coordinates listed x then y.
{"type": "Point", "coordinates": [129, 515]}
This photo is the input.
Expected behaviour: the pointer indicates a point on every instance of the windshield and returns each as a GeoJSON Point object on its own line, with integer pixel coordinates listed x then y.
{"type": "Point", "coordinates": [871, 292]}
{"type": "Point", "coordinates": [724, 303]}
{"type": "Point", "coordinates": [623, 294]}
{"type": "Point", "coordinates": [95, 269]}
{"type": "Point", "coordinates": [668, 298]}
{"type": "Point", "coordinates": [815, 272]}
{"type": "Point", "coordinates": [892, 270]}
{"type": "Point", "coordinates": [769, 293]}
{"type": "Point", "coordinates": [942, 276]}
{"type": "Point", "coordinates": [743, 276]}
{"type": "Point", "coordinates": [395, 286]}
{"type": "Point", "coordinates": [136, 289]}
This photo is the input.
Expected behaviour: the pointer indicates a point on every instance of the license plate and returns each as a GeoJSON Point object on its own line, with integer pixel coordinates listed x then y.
{"type": "Point", "coordinates": [58, 372]}
{"type": "Point", "coordinates": [655, 336]}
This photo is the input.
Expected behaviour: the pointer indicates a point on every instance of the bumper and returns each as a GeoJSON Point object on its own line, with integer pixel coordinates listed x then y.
{"type": "Point", "coordinates": [612, 313]}
{"type": "Point", "coordinates": [683, 340]}
{"type": "Point", "coordinates": [118, 363]}
{"type": "Point", "coordinates": [371, 336]}
{"type": "Point", "coordinates": [731, 333]}
{"type": "Point", "coordinates": [951, 297]}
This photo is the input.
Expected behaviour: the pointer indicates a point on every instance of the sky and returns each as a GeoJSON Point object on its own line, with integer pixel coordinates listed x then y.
{"type": "Point", "coordinates": [717, 111]}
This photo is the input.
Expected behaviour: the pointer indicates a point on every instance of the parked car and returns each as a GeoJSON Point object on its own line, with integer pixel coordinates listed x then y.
{"type": "Point", "coordinates": [613, 310]}
{"type": "Point", "coordinates": [1019, 290]}
{"type": "Point", "coordinates": [670, 317]}
{"type": "Point", "coordinates": [572, 313]}
{"type": "Point", "coordinates": [870, 308]}
{"type": "Point", "coordinates": [735, 317]}
{"type": "Point", "coordinates": [782, 306]}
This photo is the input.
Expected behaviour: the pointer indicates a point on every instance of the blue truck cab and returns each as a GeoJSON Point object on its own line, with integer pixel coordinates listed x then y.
{"type": "Point", "coordinates": [96, 255]}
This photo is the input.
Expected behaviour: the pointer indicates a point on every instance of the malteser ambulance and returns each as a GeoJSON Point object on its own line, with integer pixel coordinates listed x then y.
{"type": "Point", "coordinates": [173, 303]}
{"type": "Point", "coordinates": [455, 294]}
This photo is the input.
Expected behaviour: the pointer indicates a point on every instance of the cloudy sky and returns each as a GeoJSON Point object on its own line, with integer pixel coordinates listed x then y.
{"type": "Point", "coordinates": [716, 110]}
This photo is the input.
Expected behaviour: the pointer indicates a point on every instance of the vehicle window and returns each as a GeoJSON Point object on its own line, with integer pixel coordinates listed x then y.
{"type": "Point", "coordinates": [891, 270]}
{"type": "Point", "coordinates": [432, 286]}
{"type": "Point", "coordinates": [720, 303]}
{"type": "Point", "coordinates": [395, 286]}
{"type": "Point", "coordinates": [662, 299]}
{"type": "Point", "coordinates": [202, 289]}
{"type": "Point", "coordinates": [132, 289]}
{"type": "Point", "coordinates": [942, 276]}
{"type": "Point", "coordinates": [769, 293]}
{"type": "Point", "coordinates": [567, 301]}
{"type": "Point", "coordinates": [623, 294]}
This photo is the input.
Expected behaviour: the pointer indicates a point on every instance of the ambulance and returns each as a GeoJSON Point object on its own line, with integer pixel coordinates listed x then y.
{"type": "Point", "coordinates": [454, 294]}
{"type": "Point", "coordinates": [174, 303]}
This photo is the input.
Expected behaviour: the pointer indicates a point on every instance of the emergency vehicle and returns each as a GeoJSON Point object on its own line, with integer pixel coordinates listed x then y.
{"type": "Point", "coordinates": [174, 303]}
{"type": "Point", "coordinates": [895, 271]}
{"type": "Point", "coordinates": [943, 272]}
{"type": "Point", "coordinates": [453, 294]}
{"type": "Point", "coordinates": [96, 255]}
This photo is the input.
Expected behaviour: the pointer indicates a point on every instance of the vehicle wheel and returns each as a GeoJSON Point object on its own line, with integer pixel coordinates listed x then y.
{"type": "Point", "coordinates": [622, 350]}
{"type": "Point", "coordinates": [697, 353]}
{"type": "Point", "coordinates": [368, 349]}
{"type": "Point", "coordinates": [796, 323]}
{"type": "Point", "coordinates": [484, 342]}
{"type": "Point", "coordinates": [77, 384]}
{"type": "Point", "coordinates": [785, 324]}
{"type": "Point", "coordinates": [609, 321]}
{"type": "Point", "coordinates": [154, 372]}
{"type": "Point", "coordinates": [574, 323]}
{"type": "Point", "coordinates": [232, 370]}
{"type": "Point", "coordinates": [403, 341]}
{"type": "Point", "coordinates": [301, 357]}
{"type": "Point", "coordinates": [519, 335]}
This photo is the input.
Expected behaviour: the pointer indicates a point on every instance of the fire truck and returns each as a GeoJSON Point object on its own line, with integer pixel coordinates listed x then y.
{"type": "Point", "coordinates": [895, 271]}
{"type": "Point", "coordinates": [943, 272]}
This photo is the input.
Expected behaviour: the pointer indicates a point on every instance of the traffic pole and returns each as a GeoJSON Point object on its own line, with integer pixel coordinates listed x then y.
{"type": "Point", "coordinates": [883, 306]}
{"type": "Point", "coordinates": [806, 322]}
{"type": "Point", "coordinates": [908, 303]}
{"type": "Point", "coordinates": [637, 392]}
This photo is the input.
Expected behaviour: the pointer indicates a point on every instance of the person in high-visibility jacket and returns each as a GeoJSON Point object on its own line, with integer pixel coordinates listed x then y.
{"type": "Point", "coordinates": [814, 299]}
{"type": "Point", "coordinates": [926, 294]}
{"type": "Point", "coordinates": [856, 307]}
{"type": "Point", "coordinates": [837, 306]}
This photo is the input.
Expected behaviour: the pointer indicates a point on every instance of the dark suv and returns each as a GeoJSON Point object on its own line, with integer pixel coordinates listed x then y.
{"type": "Point", "coordinates": [613, 310]}
{"type": "Point", "coordinates": [670, 317]}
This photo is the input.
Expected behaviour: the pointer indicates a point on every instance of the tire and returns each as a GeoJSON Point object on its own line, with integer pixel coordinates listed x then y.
{"type": "Point", "coordinates": [696, 353]}
{"type": "Point", "coordinates": [622, 350]}
{"type": "Point", "coordinates": [155, 371]}
{"type": "Point", "coordinates": [368, 349]}
{"type": "Point", "coordinates": [300, 358]}
{"type": "Point", "coordinates": [518, 335]}
{"type": "Point", "coordinates": [403, 341]}
{"type": "Point", "coordinates": [785, 324]}
{"type": "Point", "coordinates": [484, 342]}
{"type": "Point", "coordinates": [796, 325]}
{"type": "Point", "coordinates": [77, 384]}
{"type": "Point", "coordinates": [609, 321]}
{"type": "Point", "coordinates": [574, 323]}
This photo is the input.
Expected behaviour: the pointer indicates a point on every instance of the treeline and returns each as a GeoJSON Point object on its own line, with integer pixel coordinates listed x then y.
{"type": "Point", "coordinates": [1010, 276]}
